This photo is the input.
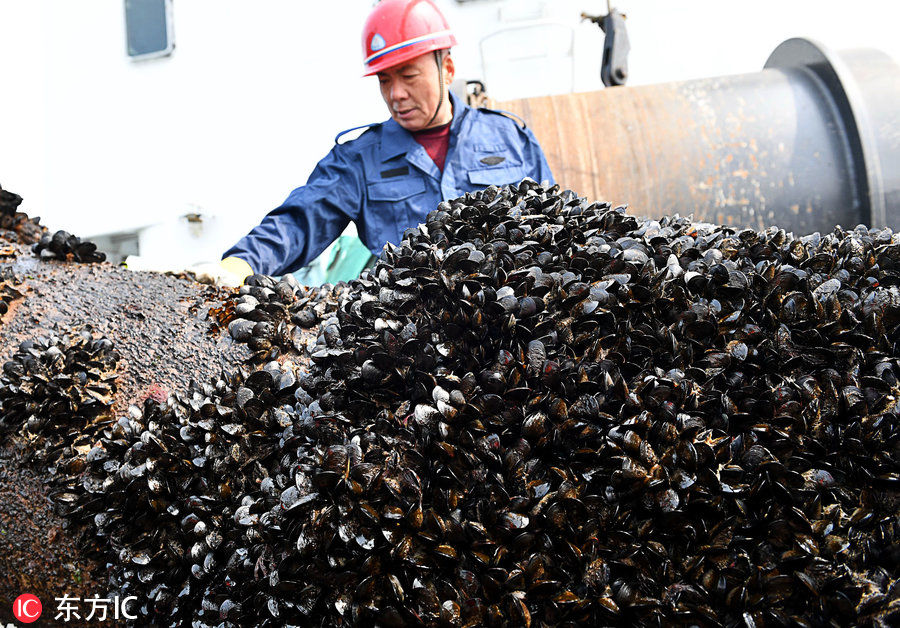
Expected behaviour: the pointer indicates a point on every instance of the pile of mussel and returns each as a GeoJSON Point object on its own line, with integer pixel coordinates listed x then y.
{"type": "Point", "coordinates": [533, 411]}
{"type": "Point", "coordinates": [269, 315]}
{"type": "Point", "coordinates": [16, 226]}
{"type": "Point", "coordinates": [62, 245]}
{"type": "Point", "coordinates": [55, 395]}
{"type": "Point", "coordinates": [9, 289]}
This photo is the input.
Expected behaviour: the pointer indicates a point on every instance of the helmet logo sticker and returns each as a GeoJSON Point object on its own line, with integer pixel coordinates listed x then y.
{"type": "Point", "coordinates": [377, 43]}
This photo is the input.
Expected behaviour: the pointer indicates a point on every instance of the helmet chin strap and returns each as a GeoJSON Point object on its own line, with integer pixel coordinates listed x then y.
{"type": "Point", "coordinates": [440, 66]}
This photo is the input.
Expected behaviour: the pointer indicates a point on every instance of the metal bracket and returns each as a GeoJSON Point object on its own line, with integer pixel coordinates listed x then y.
{"type": "Point", "coordinates": [614, 67]}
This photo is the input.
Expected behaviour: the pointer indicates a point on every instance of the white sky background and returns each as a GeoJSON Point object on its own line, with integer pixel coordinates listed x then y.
{"type": "Point", "coordinates": [256, 91]}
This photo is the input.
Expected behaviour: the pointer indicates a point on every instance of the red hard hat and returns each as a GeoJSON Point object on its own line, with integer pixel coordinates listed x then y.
{"type": "Point", "coordinates": [399, 30]}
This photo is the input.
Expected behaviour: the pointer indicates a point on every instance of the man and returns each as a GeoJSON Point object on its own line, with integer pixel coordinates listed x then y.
{"type": "Point", "coordinates": [433, 148]}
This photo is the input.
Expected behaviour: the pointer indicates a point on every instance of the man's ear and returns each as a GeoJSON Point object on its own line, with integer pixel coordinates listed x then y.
{"type": "Point", "coordinates": [449, 68]}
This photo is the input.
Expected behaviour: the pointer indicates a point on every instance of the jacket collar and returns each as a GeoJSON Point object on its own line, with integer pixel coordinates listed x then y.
{"type": "Point", "coordinates": [395, 140]}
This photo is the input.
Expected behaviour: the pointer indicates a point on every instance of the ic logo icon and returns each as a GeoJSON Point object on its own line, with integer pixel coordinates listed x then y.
{"type": "Point", "coordinates": [27, 608]}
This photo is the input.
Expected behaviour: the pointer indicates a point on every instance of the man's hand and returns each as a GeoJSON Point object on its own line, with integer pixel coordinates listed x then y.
{"type": "Point", "coordinates": [230, 272]}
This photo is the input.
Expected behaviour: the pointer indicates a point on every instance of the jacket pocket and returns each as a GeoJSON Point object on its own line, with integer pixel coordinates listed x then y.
{"type": "Point", "coordinates": [392, 206]}
{"type": "Point", "coordinates": [497, 176]}
{"type": "Point", "coordinates": [395, 190]}
{"type": "Point", "coordinates": [491, 148]}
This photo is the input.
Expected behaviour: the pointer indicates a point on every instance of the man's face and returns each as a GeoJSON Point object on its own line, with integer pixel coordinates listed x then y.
{"type": "Point", "coordinates": [412, 92]}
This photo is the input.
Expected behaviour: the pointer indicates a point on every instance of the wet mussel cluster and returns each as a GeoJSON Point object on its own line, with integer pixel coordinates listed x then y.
{"type": "Point", "coordinates": [9, 289]}
{"type": "Point", "coordinates": [16, 226]}
{"type": "Point", "coordinates": [532, 412]}
{"type": "Point", "coordinates": [62, 245]}
{"type": "Point", "coordinates": [270, 315]}
{"type": "Point", "coordinates": [55, 394]}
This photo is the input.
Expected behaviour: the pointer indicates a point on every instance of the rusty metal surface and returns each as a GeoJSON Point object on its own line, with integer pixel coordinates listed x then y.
{"type": "Point", "coordinates": [159, 326]}
{"type": "Point", "coordinates": [752, 150]}
{"type": "Point", "coordinates": [36, 554]}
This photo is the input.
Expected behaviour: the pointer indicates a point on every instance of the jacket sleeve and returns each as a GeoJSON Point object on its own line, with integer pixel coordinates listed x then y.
{"type": "Point", "coordinates": [310, 219]}
{"type": "Point", "coordinates": [535, 156]}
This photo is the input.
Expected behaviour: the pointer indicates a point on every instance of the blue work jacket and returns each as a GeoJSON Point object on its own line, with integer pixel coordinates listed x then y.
{"type": "Point", "coordinates": [385, 182]}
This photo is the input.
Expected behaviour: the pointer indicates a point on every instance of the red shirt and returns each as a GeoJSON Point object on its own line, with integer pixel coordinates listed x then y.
{"type": "Point", "coordinates": [435, 140]}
